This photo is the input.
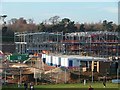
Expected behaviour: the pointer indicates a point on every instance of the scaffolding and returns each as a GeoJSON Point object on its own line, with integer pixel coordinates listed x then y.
{"type": "Point", "coordinates": [100, 43]}
{"type": "Point", "coordinates": [37, 42]}
{"type": "Point", "coordinates": [103, 44]}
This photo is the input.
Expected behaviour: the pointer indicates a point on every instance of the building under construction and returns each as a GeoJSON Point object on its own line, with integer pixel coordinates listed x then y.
{"type": "Point", "coordinates": [100, 43]}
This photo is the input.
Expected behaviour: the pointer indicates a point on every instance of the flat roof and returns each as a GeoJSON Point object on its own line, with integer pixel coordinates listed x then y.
{"type": "Point", "coordinates": [79, 57]}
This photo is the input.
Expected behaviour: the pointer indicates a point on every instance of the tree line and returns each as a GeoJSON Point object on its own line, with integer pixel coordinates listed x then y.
{"type": "Point", "coordinates": [55, 24]}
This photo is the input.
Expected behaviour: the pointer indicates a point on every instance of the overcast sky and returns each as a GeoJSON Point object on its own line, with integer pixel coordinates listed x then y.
{"type": "Point", "coordinates": [77, 11]}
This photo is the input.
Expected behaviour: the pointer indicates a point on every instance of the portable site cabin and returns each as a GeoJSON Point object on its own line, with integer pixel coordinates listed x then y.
{"type": "Point", "coordinates": [48, 59]}
{"type": "Point", "coordinates": [56, 60]}
{"type": "Point", "coordinates": [60, 60]}
{"type": "Point", "coordinates": [75, 61]}
{"type": "Point", "coordinates": [51, 60]}
{"type": "Point", "coordinates": [64, 61]}
{"type": "Point", "coordinates": [44, 58]}
{"type": "Point", "coordinates": [69, 60]}
{"type": "Point", "coordinates": [18, 57]}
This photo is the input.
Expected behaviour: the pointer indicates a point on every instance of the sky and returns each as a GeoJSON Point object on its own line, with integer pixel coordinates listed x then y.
{"type": "Point", "coordinates": [82, 12]}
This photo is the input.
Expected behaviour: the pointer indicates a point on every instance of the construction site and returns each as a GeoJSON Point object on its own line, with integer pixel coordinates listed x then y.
{"type": "Point", "coordinates": [63, 58]}
{"type": "Point", "coordinates": [100, 43]}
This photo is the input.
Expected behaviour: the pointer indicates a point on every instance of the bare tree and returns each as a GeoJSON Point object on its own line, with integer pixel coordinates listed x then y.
{"type": "Point", "coordinates": [13, 21]}
{"type": "Point", "coordinates": [54, 19]}
{"type": "Point", "coordinates": [30, 21]}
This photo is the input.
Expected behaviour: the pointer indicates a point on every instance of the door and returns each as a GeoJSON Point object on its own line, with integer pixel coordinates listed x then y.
{"type": "Point", "coordinates": [44, 60]}
{"type": "Point", "coordinates": [70, 63]}
{"type": "Point", "coordinates": [59, 63]}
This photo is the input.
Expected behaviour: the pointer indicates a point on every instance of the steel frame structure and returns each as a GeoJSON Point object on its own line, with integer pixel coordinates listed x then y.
{"type": "Point", "coordinates": [100, 43]}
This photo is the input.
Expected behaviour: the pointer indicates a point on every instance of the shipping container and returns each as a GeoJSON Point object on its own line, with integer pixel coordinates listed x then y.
{"type": "Point", "coordinates": [18, 57]}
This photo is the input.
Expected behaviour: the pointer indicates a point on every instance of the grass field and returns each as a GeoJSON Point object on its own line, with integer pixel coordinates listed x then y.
{"type": "Point", "coordinates": [78, 86]}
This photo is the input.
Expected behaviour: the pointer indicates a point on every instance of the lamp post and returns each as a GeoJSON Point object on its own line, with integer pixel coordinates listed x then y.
{"type": "Point", "coordinates": [19, 58]}
{"type": "Point", "coordinates": [5, 72]}
{"type": "Point", "coordinates": [117, 67]}
{"type": "Point", "coordinates": [2, 17]}
{"type": "Point", "coordinates": [92, 76]}
{"type": "Point", "coordinates": [79, 68]}
{"type": "Point", "coordinates": [117, 74]}
{"type": "Point", "coordinates": [30, 56]}
{"type": "Point", "coordinates": [35, 76]}
{"type": "Point", "coordinates": [20, 75]}
{"type": "Point", "coordinates": [65, 75]}
{"type": "Point", "coordinates": [64, 49]}
{"type": "Point", "coordinates": [92, 69]}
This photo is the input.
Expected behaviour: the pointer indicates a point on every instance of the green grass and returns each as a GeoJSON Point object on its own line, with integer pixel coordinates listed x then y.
{"type": "Point", "coordinates": [77, 86]}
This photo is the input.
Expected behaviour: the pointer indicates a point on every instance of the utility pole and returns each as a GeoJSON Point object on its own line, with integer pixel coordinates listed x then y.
{"type": "Point", "coordinates": [57, 78]}
{"type": "Point", "coordinates": [5, 71]}
{"type": "Point", "coordinates": [65, 75]}
{"type": "Point", "coordinates": [35, 76]}
{"type": "Point", "coordinates": [117, 73]}
{"type": "Point", "coordinates": [5, 76]}
{"type": "Point", "coordinates": [20, 75]}
{"type": "Point", "coordinates": [92, 76]}
{"type": "Point", "coordinates": [3, 19]}
{"type": "Point", "coordinates": [79, 69]}
{"type": "Point", "coordinates": [92, 69]}
{"type": "Point", "coordinates": [57, 43]}
{"type": "Point", "coordinates": [51, 74]}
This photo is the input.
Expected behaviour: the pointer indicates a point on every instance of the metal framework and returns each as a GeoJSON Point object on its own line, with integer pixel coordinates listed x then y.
{"type": "Point", "coordinates": [100, 43]}
{"type": "Point", "coordinates": [93, 43]}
